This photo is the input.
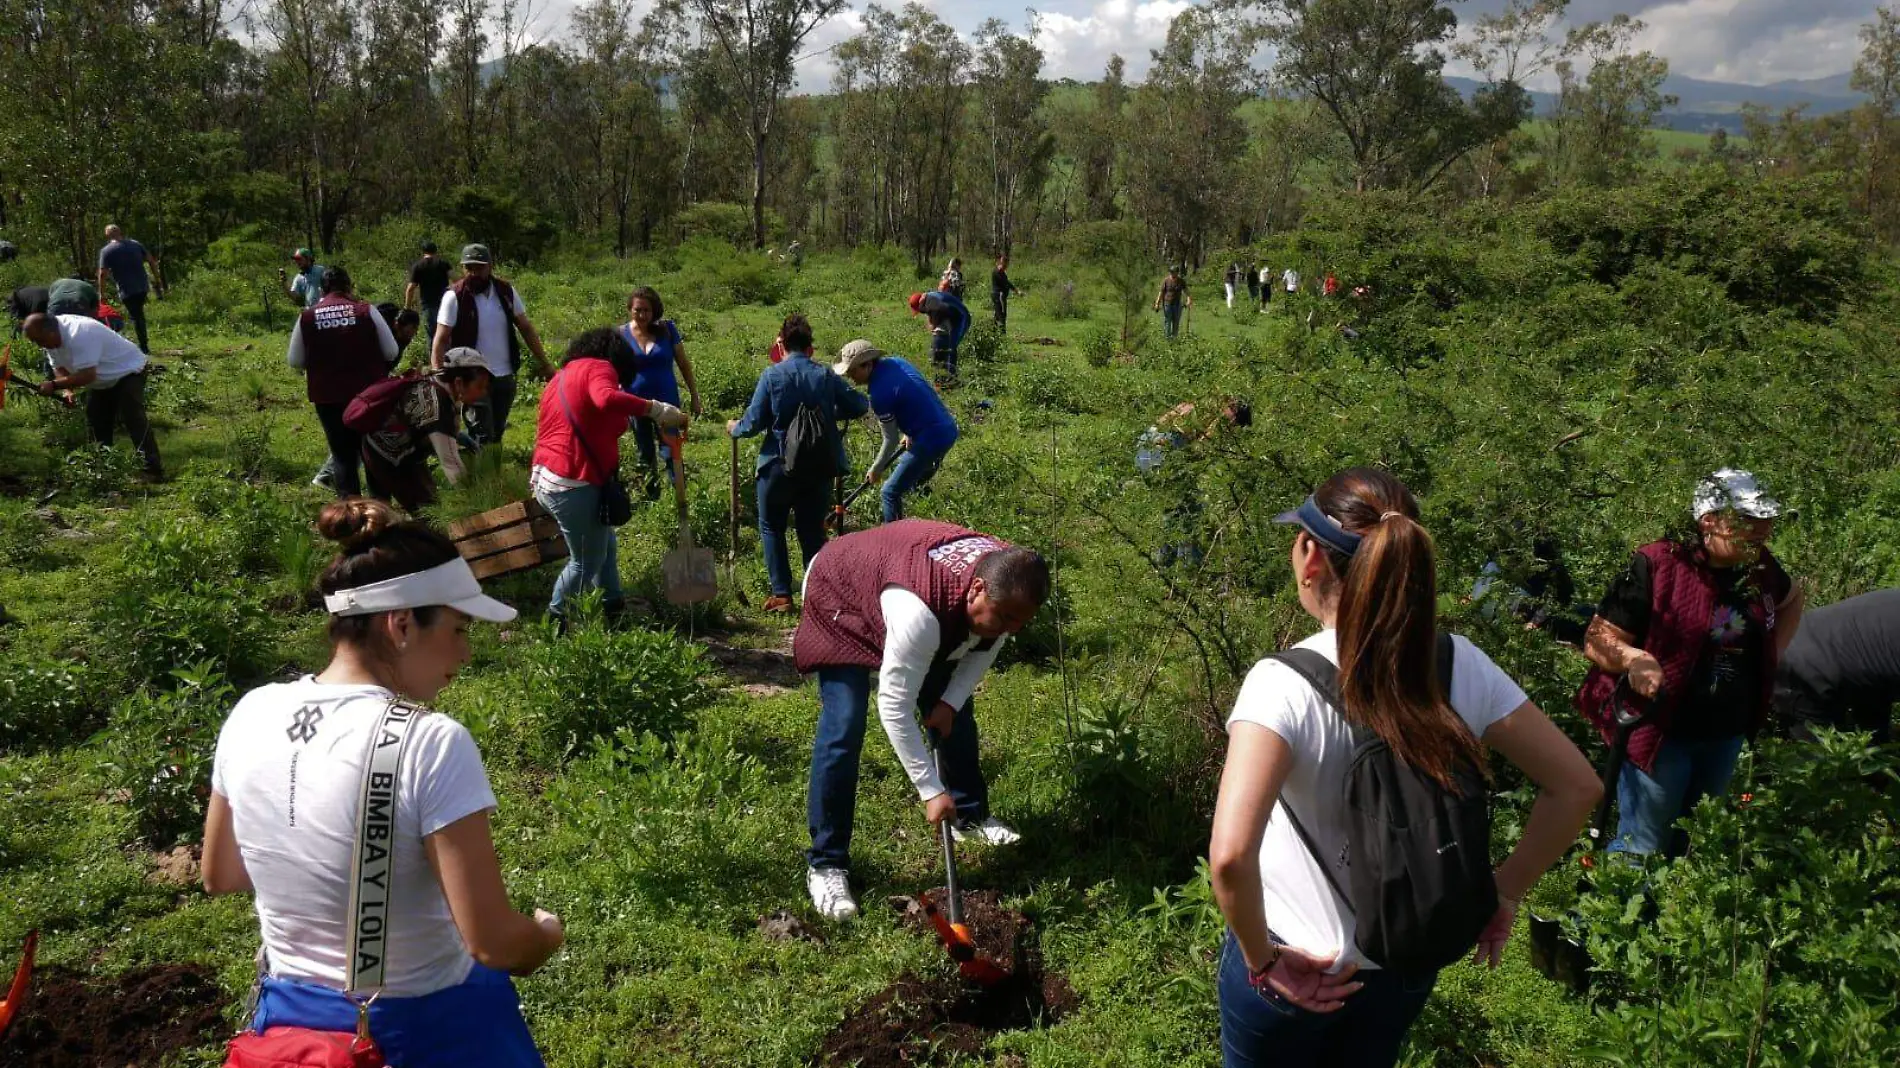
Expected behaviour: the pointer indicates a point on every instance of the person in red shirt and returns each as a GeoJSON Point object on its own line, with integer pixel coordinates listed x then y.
{"type": "Point", "coordinates": [577, 453]}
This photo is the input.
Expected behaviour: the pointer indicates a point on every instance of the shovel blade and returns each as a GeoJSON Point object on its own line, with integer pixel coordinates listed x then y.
{"type": "Point", "coordinates": [22, 979]}
{"type": "Point", "coordinates": [692, 576]}
{"type": "Point", "coordinates": [971, 963]}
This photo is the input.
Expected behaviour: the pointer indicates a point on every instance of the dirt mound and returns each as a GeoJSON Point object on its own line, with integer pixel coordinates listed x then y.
{"type": "Point", "coordinates": [73, 1020]}
{"type": "Point", "coordinates": [917, 1021]}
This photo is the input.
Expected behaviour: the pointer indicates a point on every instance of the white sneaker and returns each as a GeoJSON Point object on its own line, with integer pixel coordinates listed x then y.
{"type": "Point", "coordinates": [830, 890]}
{"type": "Point", "coordinates": [991, 831]}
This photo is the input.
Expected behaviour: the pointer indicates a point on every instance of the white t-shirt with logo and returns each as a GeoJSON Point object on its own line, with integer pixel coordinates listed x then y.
{"type": "Point", "coordinates": [1302, 907]}
{"type": "Point", "coordinates": [491, 334]}
{"type": "Point", "coordinates": [290, 762]}
{"type": "Point", "coordinates": [86, 342]}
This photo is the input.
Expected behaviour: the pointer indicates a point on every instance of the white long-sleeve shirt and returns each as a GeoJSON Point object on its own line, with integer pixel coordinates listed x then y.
{"type": "Point", "coordinates": [912, 637]}
{"type": "Point", "coordinates": [385, 340]}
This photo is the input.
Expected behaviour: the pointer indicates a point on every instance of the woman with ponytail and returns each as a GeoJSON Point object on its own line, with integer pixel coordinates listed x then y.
{"type": "Point", "coordinates": [1295, 987]}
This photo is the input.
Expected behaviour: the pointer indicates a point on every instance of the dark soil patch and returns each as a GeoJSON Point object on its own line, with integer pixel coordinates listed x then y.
{"type": "Point", "coordinates": [760, 672]}
{"type": "Point", "coordinates": [919, 1021]}
{"type": "Point", "coordinates": [74, 1020]}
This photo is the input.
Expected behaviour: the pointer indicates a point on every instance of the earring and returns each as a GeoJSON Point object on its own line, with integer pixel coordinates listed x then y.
{"type": "Point", "coordinates": [1306, 584]}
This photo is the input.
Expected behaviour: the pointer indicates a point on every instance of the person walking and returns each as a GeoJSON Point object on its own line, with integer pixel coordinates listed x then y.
{"type": "Point", "coordinates": [1252, 274]}
{"type": "Point", "coordinates": [657, 349]}
{"type": "Point", "coordinates": [415, 872]}
{"type": "Point", "coordinates": [1266, 287]}
{"type": "Point", "coordinates": [87, 355]}
{"type": "Point", "coordinates": [1000, 292]}
{"type": "Point", "coordinates": [1691, 633]}
{"type": "Point", "coordinates": [343, 346]}
{"type": "Point", "coordinates": [126, 261]}
{"type": "Point", "coordinates": [1296, 987]}
{"type": "Point", "coordinates": [785, 392]}
{"type": "Point", "coordinates": [423, 418]}
{"type": "Point", "coordinates": [583, 412]}
{"type": "Point", "coordinates": [949, 321]}
{"type": "Point", "coordinates": [952, 280]}
{"type": "Point", "coordinates": [306, 286]}
{"type": "Point", "coordinates": [1291, 279]}
{"type": "Point", "coordinates": [485, 313]}
{"type": "Point", "coordinates": [1230, 280]}
{"type": "Point", "coordinates": [1842, 670]}
{"type": "Point", "coordinates": [927, 607]}
{"type": "Point", "coordinates": [428, 281]}
{"type": "Point", "coordinates": [913, 416]}
{"type": "Point", "coordinates": [1169, 302]}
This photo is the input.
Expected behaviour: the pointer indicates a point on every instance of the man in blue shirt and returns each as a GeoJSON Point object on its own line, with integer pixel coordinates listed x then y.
{"type": "Point", "coordinates": [906, 407]}
{"type": "Point", "coordinates": [785, 388]}
{"type": "Point", "coordinates": [306, 287]}
{"type": "Point", "coordinates": [949, 321]}
{"type": "Point", "coordinates": [126, 259]}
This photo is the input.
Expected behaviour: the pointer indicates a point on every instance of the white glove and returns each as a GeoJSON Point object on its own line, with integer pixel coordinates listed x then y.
{"type": "Point", "coordinates": [666, 415]}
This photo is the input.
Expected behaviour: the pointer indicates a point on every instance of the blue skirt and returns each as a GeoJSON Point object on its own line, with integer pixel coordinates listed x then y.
{"type": "Point", "coordinates": [478, 1022]}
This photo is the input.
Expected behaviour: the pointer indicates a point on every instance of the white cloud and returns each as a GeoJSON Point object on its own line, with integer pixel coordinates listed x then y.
{"type": "Point", "coordinates": [1078, 46]}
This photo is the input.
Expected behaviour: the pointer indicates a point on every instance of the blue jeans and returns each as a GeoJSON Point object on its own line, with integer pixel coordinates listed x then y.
{"type": "Point", "coordinates": [910, 471]}
{"type": "Point", "coordinates": [593, 556]}
{"type": "Point", "coordinates": [1171, 319]}
{"type": "Point", "coordinates": [1649, 803]}
{"type": "Point", "coordinates": [779, 499]}
{"type": "Point", "coordinates": [478, 1022]}
{"type": "Point", "coordinates": [1259, 1028]}
{"type": "Point", "coordinates": [831, 801]}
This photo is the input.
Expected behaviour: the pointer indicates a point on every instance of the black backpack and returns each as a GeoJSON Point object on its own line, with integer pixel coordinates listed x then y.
{"type": "Point", "coordinates": [1418, 856]}
{"type": "Point", "coordinates": [810, 454]}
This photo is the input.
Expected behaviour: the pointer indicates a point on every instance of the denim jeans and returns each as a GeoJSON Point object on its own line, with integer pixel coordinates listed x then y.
{"type": "Point", "coordinates": [779, 500]}
{"type": "Point", "coordinates": [831, 800]}
{"type": "Point", "coordinates": [910, 471]}
{"type": "Point", "coordinates": [655, 455]}
{"type": "Point", "coordinates": [593, 557]}
{"type": "Point", "coordinates": [1171, 319]}
{"type": "Point", "coordinates": [1259, 1028]}
{"type": "Point", "coordinates": [1649, 803]}
{"type": "Point", "coordinates": [943, 351]}
{"type": "Point", "coordinates": [488, 419]}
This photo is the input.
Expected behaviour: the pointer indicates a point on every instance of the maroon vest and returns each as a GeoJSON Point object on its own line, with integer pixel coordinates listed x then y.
{"type": "Point", "coordinates": [843, 620]}
{"type": "Point", "coordinates": [468, 323]}
{"type": "Point", "coordinates": [343, 355]}
{"type": "Point", "coordinates": [1681, 601]}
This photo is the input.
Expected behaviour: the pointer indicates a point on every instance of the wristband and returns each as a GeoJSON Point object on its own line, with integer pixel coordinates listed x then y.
{"type": "Point", "coordinates": [1257, 977]}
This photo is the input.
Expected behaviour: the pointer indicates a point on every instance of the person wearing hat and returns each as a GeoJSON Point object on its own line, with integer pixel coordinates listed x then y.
{"type": "Point", "coordinates": [424, 420]}
{"type": "Point", "coordinates": [908, 410]}
{"type": "Point", "coordinates": [343, 347]}
{"type": "Point", "coordinates": [1172, 298]}
{"type": "Point", "coordinates": [949, 320]}
{"type": "Point", "coordinates": [306, 286]}
{"type": "Point", "coordinates": [1688, 637]}
{"type": "Point", "coordinates": [359, 820]}
{"type": "Point", "coordinates": [785, 390]}
{"type": "Point", "coordinates": [485, 313]}
{"type": "Point", "coordinates": [428, 280]}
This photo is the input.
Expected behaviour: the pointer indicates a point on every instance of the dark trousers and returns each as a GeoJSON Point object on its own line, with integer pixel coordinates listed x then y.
{"type": "Point", "coordinates": [1801, 713]}
{"type": "Point", "coordinates": [999, 306]}
{"type": "Point", "coordinates": [779, 500]}
{"type": "Point", "coordinates": [943, 351]}
{"type": "Point", "coordinates": [123, 403]}
{"type": "Point", "coordinates": [831, 802]}
{"type": "Point", "coordinates": [346, 449]}
{"type": "Point", "coordinates": [409, 483]}
{"type": "Point", "coordinates": [135, 311]}
{"type": "Point", "coordinates": [1259, 1028]}
{"type": "Point", "coordinates": [488, 419]}
{"type": "Point", "coordinates": [655, 455]}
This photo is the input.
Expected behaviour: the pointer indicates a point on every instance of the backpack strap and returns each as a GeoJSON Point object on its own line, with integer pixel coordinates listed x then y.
{"type": "Point", "coordinates": [374, 864]}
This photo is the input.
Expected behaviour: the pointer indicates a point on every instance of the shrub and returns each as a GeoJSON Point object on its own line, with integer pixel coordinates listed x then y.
{"type": "Point", "coordinates": [94, 471]}
{"type": "Point", "coordinates": [160, 751]}
{"type": "Point", "coordinates": [44, 705]}
{"type": "Point", "coordinates": [1098, 347]}
{"type": "Point", "coordinates": [179, 598]}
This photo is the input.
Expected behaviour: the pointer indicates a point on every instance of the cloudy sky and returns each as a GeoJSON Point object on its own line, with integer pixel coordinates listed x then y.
{"type": "Point", "coordinates": [1749, 41]}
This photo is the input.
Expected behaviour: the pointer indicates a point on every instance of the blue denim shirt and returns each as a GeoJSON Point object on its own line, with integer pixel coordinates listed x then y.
{"type": "Point", "coordinates": [782, 388]}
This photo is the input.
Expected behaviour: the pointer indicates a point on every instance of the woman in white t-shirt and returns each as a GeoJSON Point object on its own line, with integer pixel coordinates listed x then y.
{"type": "Point", "coordinates": [1295, 989]}
{"type": "Point", "coordinates": [287, 788]}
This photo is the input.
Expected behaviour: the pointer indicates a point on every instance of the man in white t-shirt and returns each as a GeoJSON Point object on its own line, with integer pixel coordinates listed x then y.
{"type": "Point", "coordinates": [87, 354]}
{"type": "Point", "coordinates": [1291, 278]}
{"type": "Point", "coordinates": [485, 313]}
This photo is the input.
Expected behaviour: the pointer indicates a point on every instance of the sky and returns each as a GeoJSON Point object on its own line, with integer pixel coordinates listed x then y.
{"type": "Point", "coordinates": [1753, 42]}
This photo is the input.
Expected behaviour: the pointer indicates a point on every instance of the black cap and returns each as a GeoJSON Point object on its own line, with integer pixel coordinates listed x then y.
{"type": "Point", "coordinates": [428, 246]}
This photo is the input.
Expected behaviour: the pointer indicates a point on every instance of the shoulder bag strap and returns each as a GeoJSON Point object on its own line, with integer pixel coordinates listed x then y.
{"type": "Point", "coordinates": [374, 865]}
{"type": "Point", "coordinates": [560, 394]}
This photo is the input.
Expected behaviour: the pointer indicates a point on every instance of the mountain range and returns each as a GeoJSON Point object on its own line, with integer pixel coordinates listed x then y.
{"type": "Point", "coordinates": [1705, 105]}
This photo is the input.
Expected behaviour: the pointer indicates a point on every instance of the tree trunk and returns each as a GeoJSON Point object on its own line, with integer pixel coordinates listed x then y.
{"type": "Point", "coordinates": [758, 189]}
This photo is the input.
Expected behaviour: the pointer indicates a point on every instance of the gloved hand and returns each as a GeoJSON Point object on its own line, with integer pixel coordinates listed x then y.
{"type": "Point", "coordinates": [667, 415]}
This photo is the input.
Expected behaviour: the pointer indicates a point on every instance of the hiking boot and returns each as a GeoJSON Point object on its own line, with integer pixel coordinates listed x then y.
{"type": "Point", "coordinates": [779, 603]}
{"type": "Point", "coordinates": [830, 890]}
{"type": "Point", "coordinates": [989, 831]}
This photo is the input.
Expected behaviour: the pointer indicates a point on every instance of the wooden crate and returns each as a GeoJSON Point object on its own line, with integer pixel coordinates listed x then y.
{"type": "Point", "coordinates": [515, 537]}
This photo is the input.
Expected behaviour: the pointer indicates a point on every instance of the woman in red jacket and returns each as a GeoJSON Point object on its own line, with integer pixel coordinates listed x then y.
{"type": "Point", "coordinates": [577, 452]}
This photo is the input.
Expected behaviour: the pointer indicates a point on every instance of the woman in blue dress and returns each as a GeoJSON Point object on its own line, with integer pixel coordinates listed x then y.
{"type": "Point", "coordinates": [657, 350]}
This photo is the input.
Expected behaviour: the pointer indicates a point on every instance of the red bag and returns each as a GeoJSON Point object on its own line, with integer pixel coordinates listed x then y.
{"type": "Point", "coordinates": [369, 410]}
{"type": "Point", "coordinates": [302, 1047]}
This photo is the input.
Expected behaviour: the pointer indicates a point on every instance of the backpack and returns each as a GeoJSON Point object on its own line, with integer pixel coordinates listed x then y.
{"type": "Point", "coordinates": [810, 452]}
{"type": "Point", "coordinates": [1418, 873]}
{"type": "Point", "coordinates": [369, 410]}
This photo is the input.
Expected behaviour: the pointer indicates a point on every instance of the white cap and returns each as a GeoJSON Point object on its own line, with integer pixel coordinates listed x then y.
{"type": "Point", "coordinates": [856, 354]}
{"type": "Point", "coordinates": [1733, 489]}
{"type": "Point", "coordinates": [452, 584]}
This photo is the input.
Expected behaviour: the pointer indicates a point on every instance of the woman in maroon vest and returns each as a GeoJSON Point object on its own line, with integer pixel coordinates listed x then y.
{"type": "Point", "coordinates": [1696, 626]}
{"type": "Point", "coordinates": [926, 605]}
{"type": "Point", "coordinates": [343, 347]}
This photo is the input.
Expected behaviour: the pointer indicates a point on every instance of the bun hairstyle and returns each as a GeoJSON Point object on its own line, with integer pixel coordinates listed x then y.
{"type": "Point", "coordinates": [1387, 624]}
{"type": "Point", "coordinates": [376, 545]}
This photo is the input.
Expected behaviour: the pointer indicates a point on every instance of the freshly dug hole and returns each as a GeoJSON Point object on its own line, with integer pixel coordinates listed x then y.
{"type": "Point", "coordinates": [918, 1021]}
{"type": "Point", "coordinates": [73, 1020]}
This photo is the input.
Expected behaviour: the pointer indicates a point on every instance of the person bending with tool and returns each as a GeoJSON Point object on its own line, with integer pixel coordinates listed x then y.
{"type": "Point", "coordinates": [800, 456]}
{"type": "Point", "coordinates": [1696, 627]}
{"type": "Point", "coordinates": [949, 320]}
{"type": "Point", "coordinates": [909, 411]}
{"type": "Point", "coordinates": [87, 354]}
{"type": "Point", "coordinates": [926, 606]}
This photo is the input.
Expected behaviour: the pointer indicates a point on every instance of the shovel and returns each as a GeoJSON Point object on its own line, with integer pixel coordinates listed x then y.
{"type": "Point", "coordinates": [951, 930]}
{"type": "Point", "coordinates": [22, 978]}
{"type": "Point", "coordinates": [1626, 722]}
{"type": "Point", "coordinates": [692, 574]}
{"type": "Point", "coordinates": [732, 540]}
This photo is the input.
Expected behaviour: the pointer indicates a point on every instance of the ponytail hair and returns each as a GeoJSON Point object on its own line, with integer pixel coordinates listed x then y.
{"type": "Point", "coordinates": [1387, 624]}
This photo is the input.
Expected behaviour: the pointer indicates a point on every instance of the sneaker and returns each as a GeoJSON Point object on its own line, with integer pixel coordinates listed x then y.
{"type": "Point", "coordinates": [990, 831]}
{"type": "Point", "coordinates": [324, 480]}
{"type": "Point", "coordinates": [830, 890]}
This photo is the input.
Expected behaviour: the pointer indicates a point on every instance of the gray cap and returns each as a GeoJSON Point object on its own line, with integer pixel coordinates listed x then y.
{"type": "Point", "coordinates": [856, 354]}
{"type": "Point", "coordinates": [476, 254]}
{"type": "Point", "coordinates": [1733, 489]}
{"type": "Point", "coordinates": [464, 356]}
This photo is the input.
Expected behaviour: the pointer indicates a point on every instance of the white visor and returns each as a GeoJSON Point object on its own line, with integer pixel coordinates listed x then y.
{"type": "Point", "coordinates": [451, 584]}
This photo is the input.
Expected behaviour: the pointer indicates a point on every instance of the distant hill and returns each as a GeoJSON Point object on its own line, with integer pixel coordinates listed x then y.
{"type": "Point", "coordinates": [1706, 105]}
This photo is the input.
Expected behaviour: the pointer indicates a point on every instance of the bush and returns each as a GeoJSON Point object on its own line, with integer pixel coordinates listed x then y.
{"type": "Point", "coordinates": [1098, 347]}
{"type": "Point", "coordinates": [45, 705]}
{"type": "Point", "coordinates": [160, 751]}
{"type": "Point", "coordinates": [94, 471]}
{"type": "Point", "coordinates": [179, 597]}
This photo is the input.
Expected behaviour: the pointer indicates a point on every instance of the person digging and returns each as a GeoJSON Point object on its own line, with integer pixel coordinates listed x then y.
{"type": "Point", "coordinates": [926, 605]}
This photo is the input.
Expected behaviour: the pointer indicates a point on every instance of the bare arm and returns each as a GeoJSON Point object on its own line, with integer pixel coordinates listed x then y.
{"type": "Point", "coordinates": [1614, 649]}
{"type": "Point", "coordinates": [440, 346]}
{"type": "Point", "coordinates": [1258, 761]}
{"type": "Point", "coordinates": [463, 856]}
{"type": "Point", "coordinates": [223, 867]}
{"type": "Point", "coordinates": [534, 344]}
{"type": "Point", "coordinates": [409, 294]}
{"type": "Point", "coordinates": [102, 281]}
{"type": "Point", "coordinates": [1567, 789]}
{"type": "Point", "coordinates": [79, 379]}
{"type": "Point", "coordinates": [686, 373]}
{"type": "Point", "coordinates": [1788, 618]}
